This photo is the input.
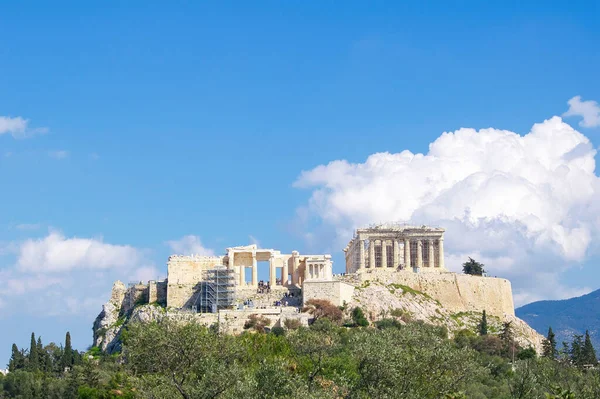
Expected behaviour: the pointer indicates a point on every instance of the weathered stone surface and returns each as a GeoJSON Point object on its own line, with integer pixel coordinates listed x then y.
{"type": "Point", "coordinates": [379, 300]}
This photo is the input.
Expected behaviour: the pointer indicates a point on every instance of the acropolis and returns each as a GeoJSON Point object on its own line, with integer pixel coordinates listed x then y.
{"type": "Point", "coordinates": [226, 289]}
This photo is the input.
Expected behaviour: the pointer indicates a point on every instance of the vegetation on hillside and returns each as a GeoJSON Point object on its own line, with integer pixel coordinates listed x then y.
{"type": "Point", "coordinates": [326, 360]}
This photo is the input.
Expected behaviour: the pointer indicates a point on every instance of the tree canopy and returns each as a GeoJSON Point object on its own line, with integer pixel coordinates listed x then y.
{"type": "Point", "coordinates": [473, 267]}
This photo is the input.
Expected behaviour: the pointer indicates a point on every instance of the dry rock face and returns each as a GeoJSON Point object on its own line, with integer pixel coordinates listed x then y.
{"type": "Point", "coordinates": [379, 300]}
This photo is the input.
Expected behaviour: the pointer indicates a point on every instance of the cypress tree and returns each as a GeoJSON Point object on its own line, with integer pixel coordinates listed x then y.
{"type": "Point", "coordinates": [483, 327]}
{"type": "Point", "coordinates": [17, 360]}
{"type": "Point", "coordinates": [507, 338]}
{"type": "Point", "coordinates": [577, 350]}
{"type": "Point", "coordinates": [34, 361]}
{"type": "Point", "coordinates": [41, 354]}
{"type": "Point", "coordinates": [588, 353]}
{"type": "Point", "coordinates": [549, 345]}
{"type": "Point", "coordinates": [67, 360]}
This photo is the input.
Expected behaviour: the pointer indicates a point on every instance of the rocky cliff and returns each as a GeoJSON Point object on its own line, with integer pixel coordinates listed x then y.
{"type": "Point", "coordinates": [378, 299]}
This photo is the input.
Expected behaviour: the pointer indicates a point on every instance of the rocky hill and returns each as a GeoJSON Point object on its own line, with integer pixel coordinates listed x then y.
{"type": "Point", "coordinates": [566, 317]}
{"type": "Point", "coordinates": [378, 300]}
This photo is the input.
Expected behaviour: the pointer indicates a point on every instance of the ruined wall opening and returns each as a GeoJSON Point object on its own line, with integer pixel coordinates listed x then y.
{"type": "Point", "coordinates": [378, 255]}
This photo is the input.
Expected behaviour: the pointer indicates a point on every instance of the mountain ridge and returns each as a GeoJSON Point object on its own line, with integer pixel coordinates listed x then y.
{"type": "Point", "coordinates": [567, 317]}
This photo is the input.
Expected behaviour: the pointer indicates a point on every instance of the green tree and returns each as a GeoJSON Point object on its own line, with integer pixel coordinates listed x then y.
{"type": "Point", "coordinates": [67, 357]}
{"type": "Point", "coordinates": [17, 359]}
{"type": "Point", "coordinates": [549, 345]}
{"type": "Point", "coordinates": [473, 267]}
{"type": "Point", "coordinates": [577, 350]}
{"type": "Point", "coordinates": [483, 326]}
{"type": "Point", "coordinates": [508, 339]}
{"type": "Point", "coordinates": [358, 316]}
{"type": "Point", "coordinates": [588, 353]}
{"type": "Point", "coordinates": [34, 361]}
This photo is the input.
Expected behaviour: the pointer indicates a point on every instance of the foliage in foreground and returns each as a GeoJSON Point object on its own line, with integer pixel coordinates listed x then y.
{"type": "Point", "coordinates": [168, 360]}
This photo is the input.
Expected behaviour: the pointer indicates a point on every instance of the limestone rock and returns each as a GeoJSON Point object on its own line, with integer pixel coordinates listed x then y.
{"type": "Point", "coordinates": [379, 300]}
{"type": "Point", "coordinates": [106, 326]}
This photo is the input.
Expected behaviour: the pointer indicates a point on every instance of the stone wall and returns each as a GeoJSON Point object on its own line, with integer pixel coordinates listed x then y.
{"type": "Point", "coordinates": [456, 292]}
{"type": "Point", "coordinates": [157, 292]}
{"type": "Point", "coordinates": [337, 292]}
{"type": "Point", "coordinates": [184, 274]}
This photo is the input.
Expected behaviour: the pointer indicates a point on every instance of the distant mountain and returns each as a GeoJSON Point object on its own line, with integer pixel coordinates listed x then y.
{"type": "Point", "coordinates": [567, 317]}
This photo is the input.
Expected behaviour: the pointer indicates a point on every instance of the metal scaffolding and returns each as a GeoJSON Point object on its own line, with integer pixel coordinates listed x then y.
{"type": "Point", "coordinates": [217, 291]}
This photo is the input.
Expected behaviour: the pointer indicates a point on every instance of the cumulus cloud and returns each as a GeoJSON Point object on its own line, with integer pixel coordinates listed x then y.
{"type": "Point", "coordinates": [523, 204]}
{"type": "Point", "coordinates": [588, 110]}
{"type": "Point", "coordinates": [56, 253]}
{"type": "Point", "coordinates": [64, 275]}
{"type": "Point", "coordinates": [18, 127]}
{"type": "Point", "coordinates": [189, 245]}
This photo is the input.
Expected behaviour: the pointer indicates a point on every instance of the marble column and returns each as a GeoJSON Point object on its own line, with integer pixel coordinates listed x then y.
{"type": "Point", "coordinates": [396, 256]}
{"type": "Point", "coordinates": [254, 270]}
{"type": "Point", "coordinates": [272, 273]}
{"type": "Point", "coordinates": [384, 253]}
{"type": "Point", "coordinates": [441, 253]}
{"type": "Point", "coordinates": [295, 267]}
{"type": "Point", "coordinates": [407, 253]}
{"type": "Point", "coordinates": [371, 253]}
{"type": "Point", "coordinates": [361, 254]}
{"type": "Point", "coordinates": [284, 273]}
{"type": "Point", "coordinates": [419, 253]}
{"type": "Point", "coordinates": [230, 256]}
{"type": "Point", "coordinates": [431, 254]}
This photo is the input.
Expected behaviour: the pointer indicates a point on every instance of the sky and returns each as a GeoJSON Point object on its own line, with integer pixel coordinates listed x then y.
{"type": "Point", "coordinates": [129, 132]}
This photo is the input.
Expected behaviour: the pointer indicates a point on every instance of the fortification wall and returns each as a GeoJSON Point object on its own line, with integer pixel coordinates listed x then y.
{"type": "Point", "coordinates": [337, 292]}
{"type": "Point", "coordinates": [157, 292]}
{"type": "Point", "coordinates": [184, 273]}
{"type": "Point", "coordinates": [456, 292]}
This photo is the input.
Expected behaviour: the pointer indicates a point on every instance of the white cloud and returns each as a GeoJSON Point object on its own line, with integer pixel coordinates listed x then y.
{"type": "Point", "coordinates": [588, 110]}
{"type": "Point", "coordinates": [523, 204]}
{"type": "Point", "coordinates": [18, 127]}
{"type": "Point", "coordinates": [188, 245]}
{"type": "Point", "coordinates": [60, 154]}
{"type": "Point", "coordinates": [56, 253]}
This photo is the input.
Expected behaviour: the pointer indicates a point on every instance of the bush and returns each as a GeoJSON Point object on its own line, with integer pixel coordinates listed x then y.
{"type": "Point", "coordinates": [322, 308]}
{"type": "Point", "coordinates": [257, 323]}
{"type": "Point", "coordinates": [292, 324]}
{"type": "Point", "coordinates": [359, 317]}
{"type": "Point", "coordinates": [387, 323]}
{"type": "Point", "coordinates": [278, 331]}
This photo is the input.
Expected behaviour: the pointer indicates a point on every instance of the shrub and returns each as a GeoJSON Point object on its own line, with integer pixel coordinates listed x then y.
{"type": "Point", "coordinates": [257, 323]}
{"type": "Point", "coordinates": [292, 324]}
{"type": "Point", "coordinates": [278, 331]}
{"type": "Point", "coordinates": [359, 317]}
{"type": "Point", "coordinates": [322, 308]}
{"type": "Point", "coordinates": [387, 323]}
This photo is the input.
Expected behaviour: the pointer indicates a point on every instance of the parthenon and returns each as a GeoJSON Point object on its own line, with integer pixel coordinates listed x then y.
{"type": "Point", "coordinates": [396, 247]}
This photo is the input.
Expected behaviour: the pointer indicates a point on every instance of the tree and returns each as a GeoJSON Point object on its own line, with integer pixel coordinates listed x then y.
{"type": "Point", "coordinates": [507, 338]}
{"type": "Point", "coordinates": [359, 318]}
{"type": "Point", "coordinates": [17, 359]}
{"type": "Point", "coordinates": [67, 359]}
{"type": "Point", "coordinates": [588, 353]}
{"type": "Point", "coordinates": [473, 267]}
{"type": "Point", "coordinates": [577, 350]}
{"type": "Point", "coordinates": [34, 361]}
{"type": "Point", "coordinates": [483, 327]}
{"type": "Point", "coordinates": [549, 345]}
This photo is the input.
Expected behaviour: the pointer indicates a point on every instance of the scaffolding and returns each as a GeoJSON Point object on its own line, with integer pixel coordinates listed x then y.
{"type": "Point", "coordinates": [217, 291]}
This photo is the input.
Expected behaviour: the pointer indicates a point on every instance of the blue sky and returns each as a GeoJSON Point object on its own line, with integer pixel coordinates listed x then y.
{"type": "Point", "coordinates": [149, 122]}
